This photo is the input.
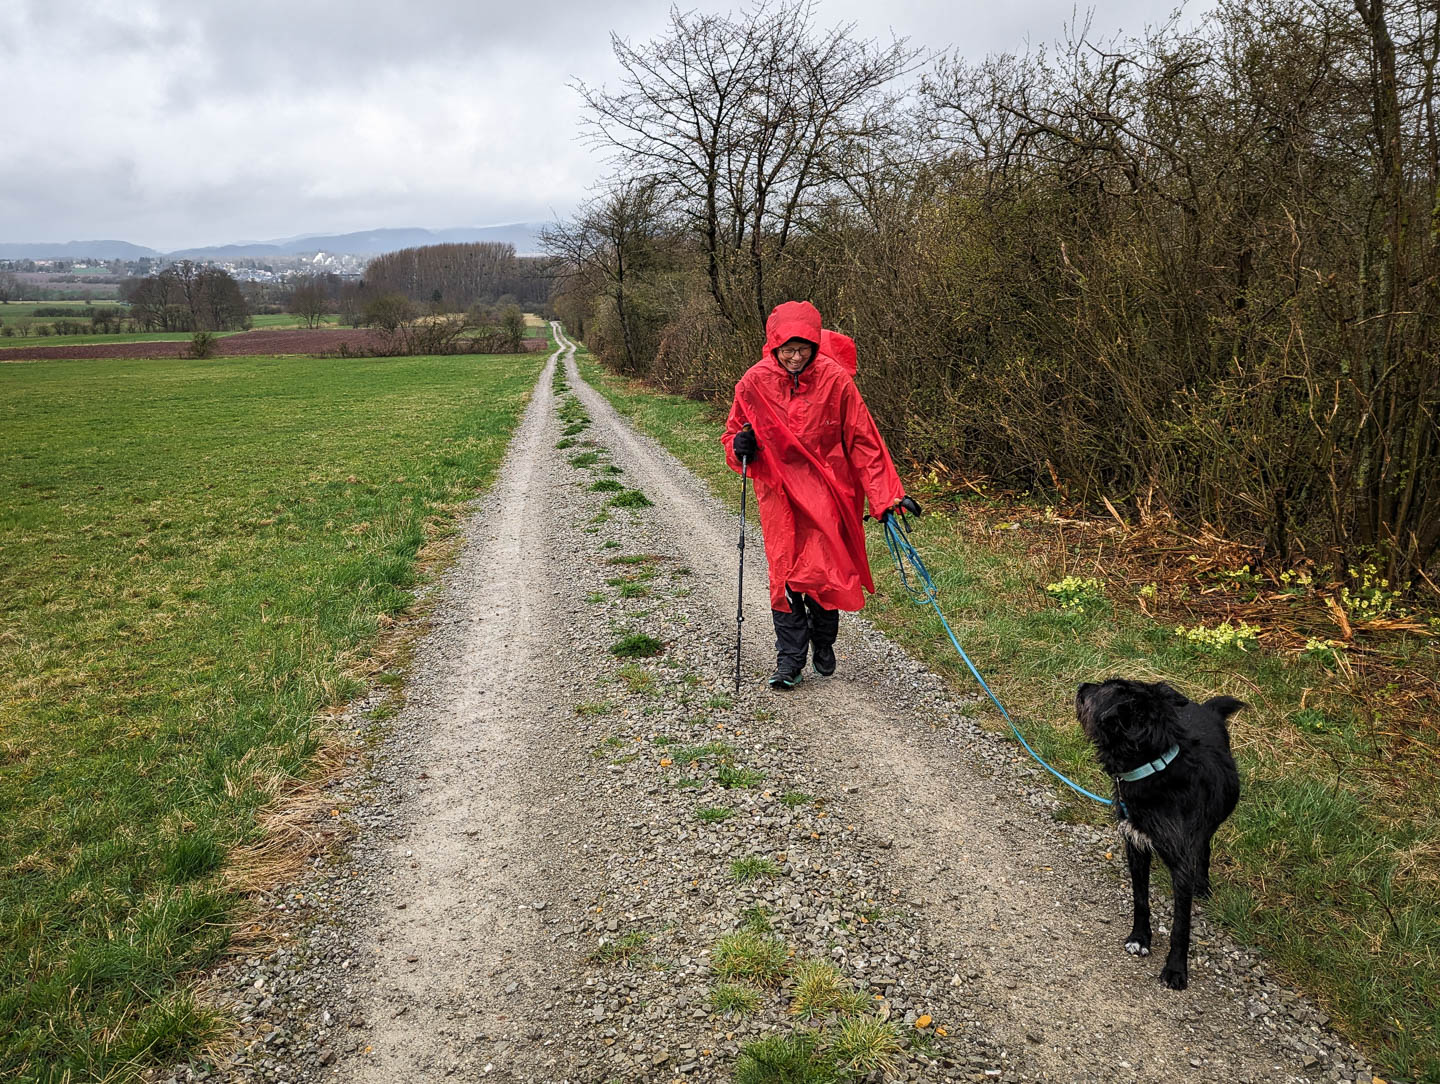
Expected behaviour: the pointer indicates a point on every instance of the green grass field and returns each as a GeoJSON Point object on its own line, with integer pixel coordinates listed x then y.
{"type": "Point", "coordinates": [25, 310]}
{"type": "Point", "coordinates": [11, 311]}
{"type": "Point", "coordinates": [15, 311]}
{"type": "Point", "coordinates": [1330, 865]}
{"type": "Point", "coordinates": [285, 319]}
{"type": "Point", "coordinates": [195, 557]}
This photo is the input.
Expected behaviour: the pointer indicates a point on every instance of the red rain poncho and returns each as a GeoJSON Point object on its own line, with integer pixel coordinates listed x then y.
{"type": "Point", "coordinates": [820, 457]}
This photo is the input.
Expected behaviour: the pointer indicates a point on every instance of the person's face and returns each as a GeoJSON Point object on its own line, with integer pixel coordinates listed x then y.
{"type": "Point", "coordinates": [795, 354]}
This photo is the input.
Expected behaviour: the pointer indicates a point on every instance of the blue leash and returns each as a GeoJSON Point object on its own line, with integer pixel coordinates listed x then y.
{"type": "Point", "coordinates": [897, 536]}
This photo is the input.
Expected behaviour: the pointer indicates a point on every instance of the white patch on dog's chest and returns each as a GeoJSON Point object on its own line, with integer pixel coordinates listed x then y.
{"type": "Point", "coordinates": [1136, 837]}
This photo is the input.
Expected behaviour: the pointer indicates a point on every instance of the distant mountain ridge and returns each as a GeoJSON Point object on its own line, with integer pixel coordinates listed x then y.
{"type": "Point", "coordinates": [73, 250]}
{"type": "Point", "coordinates": [525, 236]}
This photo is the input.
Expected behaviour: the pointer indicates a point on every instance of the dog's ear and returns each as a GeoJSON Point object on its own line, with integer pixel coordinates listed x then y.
{"type": "Point", "coordinates": [1116, 701]}
{"type": "Point", "coordinates": [1168, 694]}
{"type": "Point", "coordinates": [1155, 713]}
{"type": "Point", "coordinates": [1224, 706]}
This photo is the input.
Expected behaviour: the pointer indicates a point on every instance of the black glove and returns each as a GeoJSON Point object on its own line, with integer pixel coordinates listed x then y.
{"type": "Point", "coordinates": [906, 504]}
{"type": "Point", "coordinates": [744, 445]}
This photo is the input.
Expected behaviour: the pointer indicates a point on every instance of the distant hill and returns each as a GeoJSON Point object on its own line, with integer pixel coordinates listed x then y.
{"type": "Point", "coordinates": [73, 250]}
{"type": "Point", "coordinates": [525, 236]}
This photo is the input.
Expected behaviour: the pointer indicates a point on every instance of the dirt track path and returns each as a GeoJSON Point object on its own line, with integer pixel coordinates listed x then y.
{"type": "Point", "coordinates": [539, 889]}
{"type": "Point", "coordinates": [470, 875]}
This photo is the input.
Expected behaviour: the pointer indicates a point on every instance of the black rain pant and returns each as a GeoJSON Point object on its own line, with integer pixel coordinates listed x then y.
{"type": "Point", "coordinates": [807, 622]}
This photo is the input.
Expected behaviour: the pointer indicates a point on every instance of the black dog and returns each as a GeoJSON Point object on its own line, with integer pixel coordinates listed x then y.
{"type": "Point", "coordinates": [1175, 783]}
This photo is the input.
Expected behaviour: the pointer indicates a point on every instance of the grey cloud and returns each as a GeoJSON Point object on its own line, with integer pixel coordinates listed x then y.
{"type": "Point", "coordinates": [243, 45]}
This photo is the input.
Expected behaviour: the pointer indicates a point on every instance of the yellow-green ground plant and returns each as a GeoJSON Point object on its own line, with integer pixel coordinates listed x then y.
{"type": "Point", "coordinates": [194, 558]}
{"type": "Point", "coordinates": [1330, 864]}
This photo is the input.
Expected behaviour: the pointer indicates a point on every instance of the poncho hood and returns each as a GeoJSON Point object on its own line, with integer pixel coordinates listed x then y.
{"type": "Point", "coordinates": [792, 320]}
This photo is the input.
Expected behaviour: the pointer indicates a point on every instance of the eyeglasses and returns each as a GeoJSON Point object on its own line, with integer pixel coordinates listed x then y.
{"type": "Point", "coordinates": [793, 351]}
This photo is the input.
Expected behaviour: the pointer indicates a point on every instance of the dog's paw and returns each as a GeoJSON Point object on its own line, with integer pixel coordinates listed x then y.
{"type": "Point", "coordinates": [1138, 941]}
{"type": "Point", "coordinates": [1177, 978]}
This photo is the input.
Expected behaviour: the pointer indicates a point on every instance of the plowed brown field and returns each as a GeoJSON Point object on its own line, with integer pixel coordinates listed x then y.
{"type": "Point", "coordinates": [247, 343]}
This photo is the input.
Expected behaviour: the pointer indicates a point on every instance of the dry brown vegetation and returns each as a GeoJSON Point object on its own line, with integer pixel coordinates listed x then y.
{"type": "Point", "coordinates": [1192, 273]}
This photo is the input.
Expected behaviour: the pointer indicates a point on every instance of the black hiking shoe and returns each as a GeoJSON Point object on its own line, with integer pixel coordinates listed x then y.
{"type": "Point", "coordinates": [785, 680]}
{"type": "Point", "coordinates": [822, 657]}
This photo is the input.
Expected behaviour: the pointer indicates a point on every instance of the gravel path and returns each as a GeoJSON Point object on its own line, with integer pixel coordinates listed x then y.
{"type": "Point", "coordinates": [553, 847]}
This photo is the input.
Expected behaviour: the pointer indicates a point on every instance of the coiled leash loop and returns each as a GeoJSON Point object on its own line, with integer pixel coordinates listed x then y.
{"type": "Point", "coordinates": [922, 590]}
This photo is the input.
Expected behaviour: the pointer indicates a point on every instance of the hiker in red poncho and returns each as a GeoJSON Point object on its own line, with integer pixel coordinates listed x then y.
{"type": "Point", "coordinates": [816, 457]}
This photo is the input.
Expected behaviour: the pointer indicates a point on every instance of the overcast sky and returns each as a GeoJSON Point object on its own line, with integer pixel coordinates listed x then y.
{"type": "Point", "coordinates": [174, 123]}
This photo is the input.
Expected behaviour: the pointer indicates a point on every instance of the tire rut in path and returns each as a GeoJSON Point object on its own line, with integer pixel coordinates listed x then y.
{"type": "Point", "coordinates": [1030, 911]}
{"type": "Point", "coordinates": [464, 949]}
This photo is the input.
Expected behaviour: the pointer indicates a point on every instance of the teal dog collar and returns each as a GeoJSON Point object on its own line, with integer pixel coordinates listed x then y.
{"type": "Point", "coordinates": [1159, 764]}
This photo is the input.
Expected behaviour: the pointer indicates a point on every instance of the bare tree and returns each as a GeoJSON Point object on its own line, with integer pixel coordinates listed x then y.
{"type": "Point", "coordinates": [614, 237]}
{"type": "Point", "coordinates": [217, 302]}
{"type": "Point", "coordinates": [741, 125]}
{"type": "Point", "coordinates": [351, 304]}
{"type": "Point", "coordinates": [187, 297]}
{"type": "Point", "coordinates": [309, 300]}
{"type": "Point", "coordinates": [673, 118]}
{"type": "Point", "coordinates": [456, 276]}
{"type": "Point", "coordinates": [9, 287]}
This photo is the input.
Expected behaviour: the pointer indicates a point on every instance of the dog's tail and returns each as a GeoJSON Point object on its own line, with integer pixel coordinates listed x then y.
{"type": "Point", "coordinates": [1224, 706]}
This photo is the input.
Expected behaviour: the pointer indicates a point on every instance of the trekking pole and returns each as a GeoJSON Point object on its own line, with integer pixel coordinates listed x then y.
{"type": "Point", "coordinates": [740, 601]}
